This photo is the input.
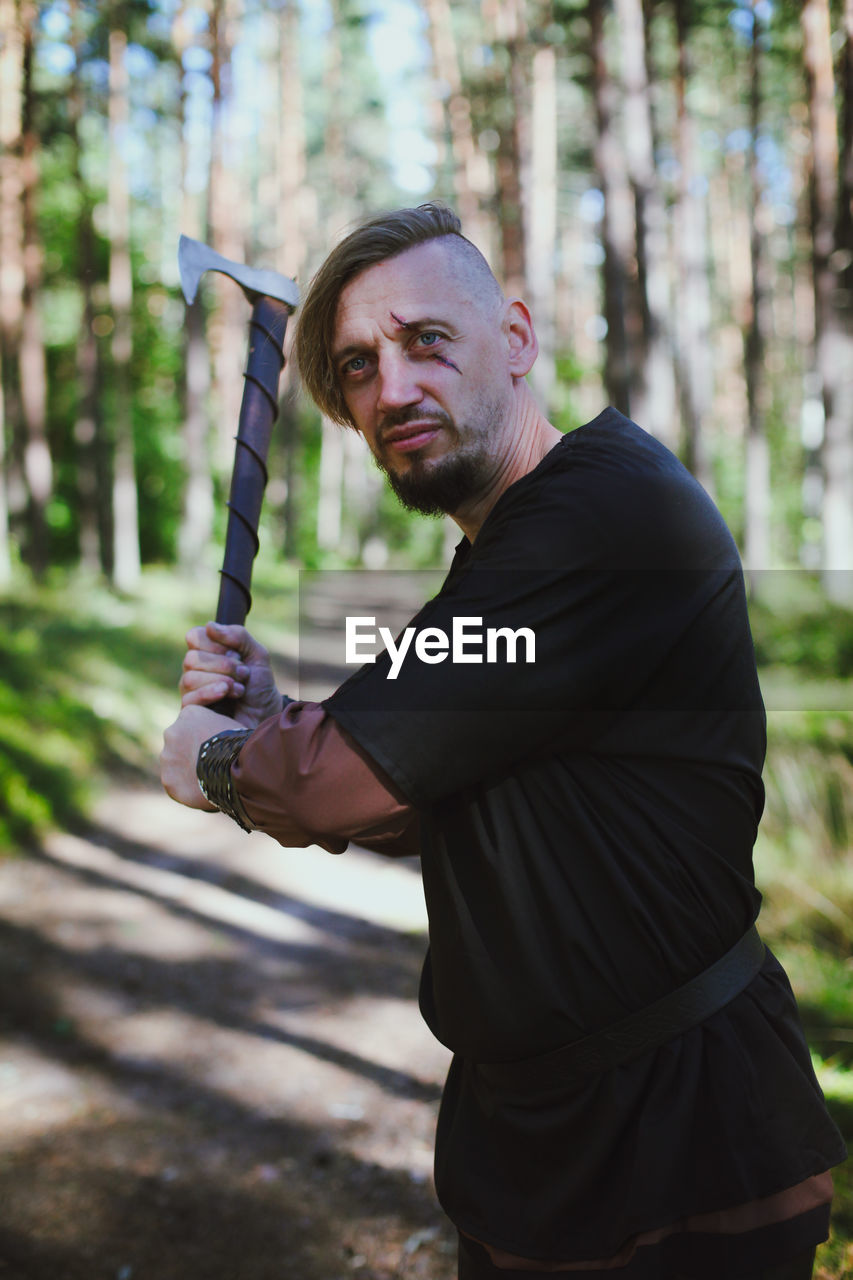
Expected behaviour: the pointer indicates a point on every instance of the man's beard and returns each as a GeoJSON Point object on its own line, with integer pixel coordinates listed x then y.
{"type": "Point", "coordinates": [440, 486]}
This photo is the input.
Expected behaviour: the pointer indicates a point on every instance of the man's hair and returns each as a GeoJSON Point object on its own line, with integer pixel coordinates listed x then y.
{"type": "Point", "coordinates": [379, 238]}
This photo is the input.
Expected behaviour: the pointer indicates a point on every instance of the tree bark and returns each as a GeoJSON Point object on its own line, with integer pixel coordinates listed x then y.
{"type": "Point", "coordinates": [617, 235]}
{"type": "Point", "coordinates": [833, 320]}
{"type": "Point", "coordinates": [197, 507]}
{"type": "Point", "coordinates": [693, 309]}
{"type": "Point", "coordinates": [94, 518]}
{"type": "Point", "coordinates": [653, 398]}
{"type": "Point", "coordinates": [330, 502]}
{"type": "Point", "coordinates": [11, 244]}
{"type": "Point", "coordinates": [227, 325]}
{"type": "Point", "coordinates": [757, 495]}
{"type": "Point", "coordinates": [126, 556]}
{"type": "Point", "coordinates": [470, 166]}
{"type": "Point", "coordinates": [196, 527]}
{"type": "Point", "coordinates": [541, 219]}
{"type": "Point", "coordinates": [32, 366]}
{"type": "Point", "coordinates": [292, 238]}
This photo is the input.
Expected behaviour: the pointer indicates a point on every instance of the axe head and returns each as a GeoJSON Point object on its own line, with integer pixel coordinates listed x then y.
{"type": "Point", "coordinates": [194, 258]}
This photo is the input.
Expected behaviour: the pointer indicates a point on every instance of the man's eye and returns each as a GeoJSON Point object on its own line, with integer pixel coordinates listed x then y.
{"type": "Point", "coordinates": [355, 365]}
{"type": "Point", "coordinates": [429, 339]}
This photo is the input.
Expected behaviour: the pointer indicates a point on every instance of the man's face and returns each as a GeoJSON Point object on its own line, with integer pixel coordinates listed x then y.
{"type": "Point", "coordinates": [424, 373]}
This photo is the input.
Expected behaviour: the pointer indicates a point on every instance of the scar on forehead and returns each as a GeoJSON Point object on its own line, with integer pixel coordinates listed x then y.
{"type": "Point", "coordinates": [435, 355]}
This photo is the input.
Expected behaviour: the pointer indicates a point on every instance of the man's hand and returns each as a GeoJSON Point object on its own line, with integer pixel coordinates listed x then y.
{"type": "Point", "coordinates": [181, 743]}
{"type": "Point", "coordinates": [227, 662]}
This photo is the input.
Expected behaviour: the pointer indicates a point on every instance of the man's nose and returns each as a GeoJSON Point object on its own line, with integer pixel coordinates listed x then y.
{"type": "Point", "coordinates": [398, 384]}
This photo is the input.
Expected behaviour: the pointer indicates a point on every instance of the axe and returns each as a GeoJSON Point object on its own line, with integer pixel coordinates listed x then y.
{"type": "Point", "coordinates": [272, 298]}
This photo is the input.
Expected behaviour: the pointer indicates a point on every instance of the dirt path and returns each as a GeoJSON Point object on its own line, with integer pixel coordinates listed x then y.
{"type": "Point", "coordinates": [211, 1060]}
{"type": "Point", "coordinates": [212, 1065]}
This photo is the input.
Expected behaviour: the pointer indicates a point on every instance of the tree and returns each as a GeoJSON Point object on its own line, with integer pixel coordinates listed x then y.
{"type": "Point", "coordinates": [692, 307]}
{"type": "Point", "coordinates": [196, 525]}
{"type": "Point", "coordinates": [38, 466]}
{"type": "Point", "coordinates": [469, 165]}
{"type": "Point", "coordinates": [11, 241]}
{"type": "Point", "coordinates": [94, 507]}
{"type": "Point", "coordinates": [618, 267]}
{"type": "Point", "coordinates": [653, 392]}
{"type": "Point", "coordinates": [126, 555]}
{"type": "Point", "coordinates": [541, 215]}
{"type": "Point", "coordinates": [757, 488]}
{"type": "Point", "coordinates": [830, 222]}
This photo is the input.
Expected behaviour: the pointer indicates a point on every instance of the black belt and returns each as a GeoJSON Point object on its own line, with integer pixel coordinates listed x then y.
{"type": "Point", "coordinates": [646, 1029]}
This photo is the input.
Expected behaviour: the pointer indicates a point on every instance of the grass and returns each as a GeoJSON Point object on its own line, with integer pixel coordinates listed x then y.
{"type": "Point", "coordinates": [90, 682]}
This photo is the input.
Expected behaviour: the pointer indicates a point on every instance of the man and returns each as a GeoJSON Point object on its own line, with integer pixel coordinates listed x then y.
{"type": "Point", "coordinates": [630, 1090]}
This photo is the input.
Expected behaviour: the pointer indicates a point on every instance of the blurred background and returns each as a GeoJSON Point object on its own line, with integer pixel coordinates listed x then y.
{"type": "Point", "coordinates": [669, 183]}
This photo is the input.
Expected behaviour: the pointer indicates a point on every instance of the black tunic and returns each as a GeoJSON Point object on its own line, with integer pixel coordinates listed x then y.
{"type": "Point", "coordinates": [587, 830]}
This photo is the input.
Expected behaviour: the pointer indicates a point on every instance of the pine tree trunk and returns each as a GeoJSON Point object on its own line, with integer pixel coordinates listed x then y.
{"type": "Point", "coordinates": [195, 530]}
{"type": "Point", "coordinates": [620, 313]}
{"type": "Point", "coordinates": [470, 166]}
{"type": "Point", "coordinates": [292, 247]}
{"type": "Point", "coordinates": [757, 496]}
{"type": "Point", "coordinates": [833, 320]}
{"type": "Point", "coordinates": [541, 219]}
{"type": "Point", "coordinates": [126, 557]}
{"type": "Point", "coordinates": [32, 366]}
{"type": "Point", "coordinates": [11, 250]}
{"type": "Point", "coordinates": [330, 502]}
{"type": "Point", "coordinates": [504, 25]}
{"type": "Point", "coordinates": [227, 325]}
{"type": "Point", "coordinates": [5, 541]}
{"type": "Point", "coordinates": [653, 397]}
{"type": "Point", "coordinates": [94, 520]}
{"type": "Point", "coordinates": [693, 309]}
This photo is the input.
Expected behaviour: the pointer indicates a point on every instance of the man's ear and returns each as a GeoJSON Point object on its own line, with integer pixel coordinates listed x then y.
{"type": "Point", "coordinates": [521, 336]}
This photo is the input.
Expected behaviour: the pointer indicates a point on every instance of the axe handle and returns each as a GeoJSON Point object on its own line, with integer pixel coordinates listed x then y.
{"type": "Point", "coordinates": [258, 412]}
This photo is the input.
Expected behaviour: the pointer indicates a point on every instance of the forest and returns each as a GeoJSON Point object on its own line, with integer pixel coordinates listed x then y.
{"type": "Point", "coordinates": [669, 185]}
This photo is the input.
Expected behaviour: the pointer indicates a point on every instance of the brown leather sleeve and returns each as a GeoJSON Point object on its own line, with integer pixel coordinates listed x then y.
{"type": "Point", "coordinates": [304, 780]}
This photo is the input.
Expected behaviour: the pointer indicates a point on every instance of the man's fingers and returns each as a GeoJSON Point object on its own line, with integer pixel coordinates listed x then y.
{"type": "Point", "coordinates": [217, 637]}
{"type": "Point", "coordinates": [211, 693]}
{"type": "Point", "coordinates": [199, 639]}
{"type": "Point", "coordinates": [208, 685]}
{"type": "Point", "coordinates": [225, 663]}
{"type": "Point", "coordinates": [232, 637]}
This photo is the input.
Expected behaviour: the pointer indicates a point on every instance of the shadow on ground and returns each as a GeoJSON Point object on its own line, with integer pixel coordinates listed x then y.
{"type": "Point", "coordinates": [212, 1065]}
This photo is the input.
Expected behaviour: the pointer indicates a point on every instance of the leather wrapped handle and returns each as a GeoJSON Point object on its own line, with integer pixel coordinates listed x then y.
{"type": "Point", "coordinates": [258, 412]}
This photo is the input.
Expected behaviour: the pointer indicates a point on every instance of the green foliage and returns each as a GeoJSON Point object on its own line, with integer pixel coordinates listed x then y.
{"type": "Point", "coordinates": [804, 631]}
{"type": "Point", "coordinates": [570, 376]}
{"type": "Point", "coordinates": [89, 682]}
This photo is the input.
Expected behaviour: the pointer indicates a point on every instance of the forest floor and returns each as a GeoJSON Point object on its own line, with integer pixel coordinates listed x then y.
{"type": "Point", "coordinates": [212, 1064]}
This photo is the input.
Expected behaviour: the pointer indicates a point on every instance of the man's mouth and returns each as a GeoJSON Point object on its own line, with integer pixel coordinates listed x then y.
{"type": "Point", "coordinates": [410, 436]}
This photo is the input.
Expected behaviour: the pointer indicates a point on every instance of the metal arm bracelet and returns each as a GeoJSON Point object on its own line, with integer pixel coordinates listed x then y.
{"type": "Point", "coordinates": [213, 770]}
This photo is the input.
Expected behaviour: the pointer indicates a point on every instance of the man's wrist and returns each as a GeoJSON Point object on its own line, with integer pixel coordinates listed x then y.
{"type": "Point", "coordinates": [213, 769]}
